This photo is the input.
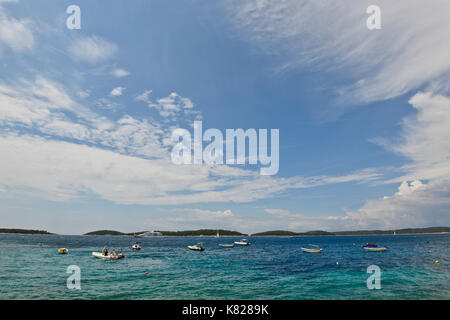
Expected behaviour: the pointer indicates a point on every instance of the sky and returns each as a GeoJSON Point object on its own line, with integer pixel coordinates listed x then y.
{"type": "Point", "coordinates": [86, 115]}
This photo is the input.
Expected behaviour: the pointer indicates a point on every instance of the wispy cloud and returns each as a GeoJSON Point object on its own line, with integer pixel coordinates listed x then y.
{"type": "Point", "coordinates": [117, 92]}
{"type": "Point", "coordinates": [424, 192]}
{"type": "Point", "coordinates": [407, 53]}
{"type": "Point", "coordinates": [120, 73]}
{"type": "Point", "coordinates": [92, 49]}
{"type": "Point", "coordinates": [16, 34]}
{"type": "Point", "coordinates": [172, 106]}
{"type": "Point", "coordinates": [60, 132]}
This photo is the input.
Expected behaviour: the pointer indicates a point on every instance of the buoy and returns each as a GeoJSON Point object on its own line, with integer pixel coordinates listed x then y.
{"type": "Point", "coordinates": [146, 273]}
{"type": "Point", "coordinates": [437, 261]}
{"type": "Point", "coordinates": [337, 262]}
{"type": "Point", "coordinates": [229, 262]}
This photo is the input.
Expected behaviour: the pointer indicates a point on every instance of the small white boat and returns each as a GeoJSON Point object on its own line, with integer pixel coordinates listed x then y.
{"type": "Point", "coordinates": [223, 245]}
{"type": "Point", "coordinates": [111, 256]}
{"type": "Point", "coordinates": [196, 247]}
{"type": "Point", "coordinates": [312, 250]}
{"type": "Point", "coordinates": [375, 249]}
{"type": "Point", "coordinates": [242, 242]}
{"type": "Point", "coordinates": [136, 247]}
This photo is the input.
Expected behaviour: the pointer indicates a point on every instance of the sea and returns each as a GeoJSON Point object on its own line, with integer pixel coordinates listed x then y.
{"type": "Point", "coordinates": [275, 268]}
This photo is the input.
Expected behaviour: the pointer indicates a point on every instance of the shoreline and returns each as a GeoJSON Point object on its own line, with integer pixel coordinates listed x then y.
{"type": "Point", "coordinates": [237, 236]}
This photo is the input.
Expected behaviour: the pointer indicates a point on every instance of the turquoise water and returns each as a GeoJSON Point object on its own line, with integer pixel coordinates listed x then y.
{"type": "Point", "coordinates": [270, 268]}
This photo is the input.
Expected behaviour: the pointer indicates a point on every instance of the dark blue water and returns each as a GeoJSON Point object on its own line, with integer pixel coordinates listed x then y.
{"type": "Point", "coordinates": [270, 268]}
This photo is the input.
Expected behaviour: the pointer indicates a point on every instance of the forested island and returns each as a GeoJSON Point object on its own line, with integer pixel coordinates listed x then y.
{"type": "Point", "coordinates": [185, 233]}
{"type": "Point", "coordinates": [24, 231]}
{"type": "Point", "coordinates": [230, 233]}
{"type": "Point", "coordinates": [203, 232]}
{"type": "Point", "coordinates": [110, 233]}
{"type": "Point", "coordinates": [355, 233]}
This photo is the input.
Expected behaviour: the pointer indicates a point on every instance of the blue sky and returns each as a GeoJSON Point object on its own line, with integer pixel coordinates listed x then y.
{"type": "Point", "coordinates": [86, 115]}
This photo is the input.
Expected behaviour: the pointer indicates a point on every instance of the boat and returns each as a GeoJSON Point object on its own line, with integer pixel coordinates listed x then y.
{"type": "Point", "coordinates": [136, 246]}
{"type": "Point", "coordinates": [149, 234]}
{"type": "Point", "coordinates": [308, 250]}
{"type": "Point", "coordinates": [375, 249]}
{"type": "Point", "coordinates": [369, 245]}
{"type": "Point", "coordinates": [111, 256]}
{"type": "Point", "coordinates": [196, 247]}
{"type": "Point", "coordinates": [224, 245]}
{"type": "Point", "coordinates": [63, 251]}
{"type": "Point", "coordinates": [242, 242]}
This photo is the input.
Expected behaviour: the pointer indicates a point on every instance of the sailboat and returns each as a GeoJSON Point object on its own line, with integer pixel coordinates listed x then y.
{"type": "Point", "coordinates": [217, 235]}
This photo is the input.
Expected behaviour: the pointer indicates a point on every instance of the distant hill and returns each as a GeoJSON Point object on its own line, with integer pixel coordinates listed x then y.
{"type": "Point", "coordinates": [24, 231]}
{"type": "Point", "coordinates": [353, 233]}
{"type": "Point", "coordinates": [105, 233]}
{"type": "Point", "coordinates": [201, 232]}
{"type": "Point", "coordinates": [284, 233]}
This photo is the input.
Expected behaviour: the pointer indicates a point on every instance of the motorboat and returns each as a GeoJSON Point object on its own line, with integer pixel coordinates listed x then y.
{"type": "Point", "coordinates": [242, 242]}
{"type": "Point", "coordinates": [196, 247]}
{"type": "Point", "coordinates": [316, 249]}
{"type": "Point", "coordinates": [136, 246]}
{"type": "Point", "coordinates": [111, 255]}
{"type": "Point", "coordinates": [375, 249]}
{"type": "Point", "coordinates": [224, 245]}
{"type": "Point", "coordinates": [309, 250]}
{"type": "Point", "coordinates": [63, 251]}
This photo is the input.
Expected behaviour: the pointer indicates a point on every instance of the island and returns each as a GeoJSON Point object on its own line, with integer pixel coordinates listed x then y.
{"type": "Point", "coordinates": [203, 232]}
{"type": "Point", "coordinates": [283, 233]}
{"type": "Point", "coordinates": [185, 233]}
{"type": "Point", "coordinates": [24, 231]}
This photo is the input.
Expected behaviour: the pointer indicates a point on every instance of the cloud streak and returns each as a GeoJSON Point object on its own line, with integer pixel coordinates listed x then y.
{"type": "Point", "coordinates": [408, 52]}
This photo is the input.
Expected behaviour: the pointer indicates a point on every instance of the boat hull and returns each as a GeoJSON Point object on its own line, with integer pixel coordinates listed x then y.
{"type": "Point", "coordinates": [99, 255]}
{"type": "Point", "coordinates": [311, 250]}
{"type": "Point", "coordinates": [195, 248]}
{"type": "Point", "coordinates": [372, 249]}
{"type": "Point", "coordinates": [239, 243]}
{"type": "Point", "coordinates": [226, 245]}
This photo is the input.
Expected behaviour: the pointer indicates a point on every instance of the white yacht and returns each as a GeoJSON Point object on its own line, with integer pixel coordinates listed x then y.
{"type": "Point", "coordinates": [242, 242]}
{"type": "Point", "coordinates": [196, 247]}
{"type": "Point", "coordinates": [150, 234]}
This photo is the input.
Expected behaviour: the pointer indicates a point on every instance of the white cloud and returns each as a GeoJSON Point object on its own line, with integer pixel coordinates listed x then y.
{"type": "Point", "coordinates": [61, 170]}
{"type": "Point", "coordinates": [92, 49]}
{"type": "Point", "coordinates": [428, 205]}
{"type": "Point", "coordinates": [124, 161]}
{"type": "Point", "coordinates": [425, 141]}
{"type": "Point", "coordinates": [15, 34]}
{"type": "Point", "coordinates": [116, 92]}
{"type": "Point", "coordinates": [409, 51]}
{"type": "Point", "coordinates": [120, 73]}
{"type": "Point", "coordinates": [172, 106]}
{"type": "Point", "coordinates": [83, 94]}
{"type": "Point", "coordinates": [144, 96]}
